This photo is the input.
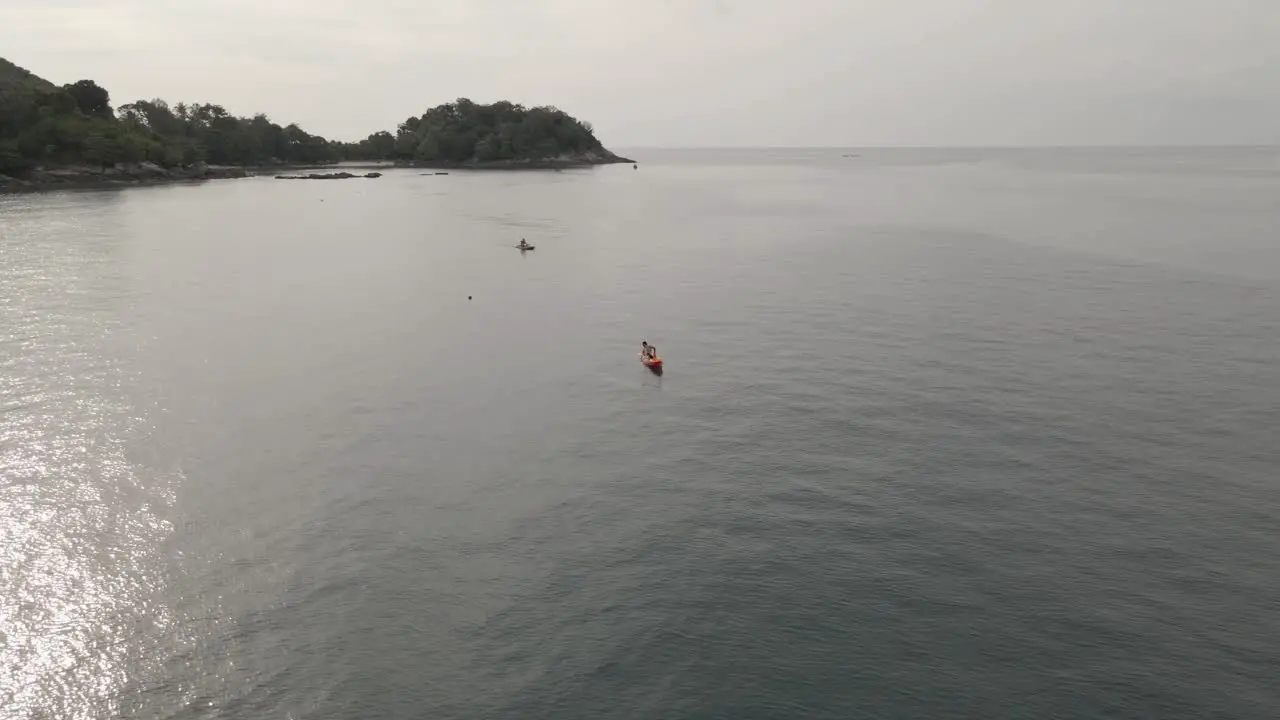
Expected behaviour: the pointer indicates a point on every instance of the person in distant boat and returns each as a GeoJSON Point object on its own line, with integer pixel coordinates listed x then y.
{"type": "Point", "coordinates": [648, 351]}
{"type": "Point", "coordinates": [523, 244]}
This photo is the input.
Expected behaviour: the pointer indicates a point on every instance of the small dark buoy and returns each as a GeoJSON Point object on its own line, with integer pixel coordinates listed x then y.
{"type": "Point", "coordinates": [468, 297]}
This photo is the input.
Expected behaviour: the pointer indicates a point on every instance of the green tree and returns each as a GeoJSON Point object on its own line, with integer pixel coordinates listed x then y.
{"type": "Point", "coordinates": [381, 145]}
{"type": "Point", "coordinates": [91, 98]}
{"type": "Point", "coordinates": [429, 148]}
{"type": "Point", "coordinates": [488, 149]}
{"type": "Point", "coordinates": [132, 147]}
{"type": "Point", "coordinates": [101, 148]}
{"type": "Point", "coordinates": [11, 158]}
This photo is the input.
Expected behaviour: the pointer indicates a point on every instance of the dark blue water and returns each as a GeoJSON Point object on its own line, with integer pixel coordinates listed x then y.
{"type": "Point", "coordinates": [942, 433]}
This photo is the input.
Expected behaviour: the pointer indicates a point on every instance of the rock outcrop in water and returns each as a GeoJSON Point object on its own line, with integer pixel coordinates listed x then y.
{"type": "Point", "coordinates": [329, 176]}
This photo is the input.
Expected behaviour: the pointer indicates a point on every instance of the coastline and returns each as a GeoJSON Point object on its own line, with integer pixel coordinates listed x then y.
{"type": "Point", "coordinates": [560, 162]}
{"type": "Point", "coordinates": [84, 177]}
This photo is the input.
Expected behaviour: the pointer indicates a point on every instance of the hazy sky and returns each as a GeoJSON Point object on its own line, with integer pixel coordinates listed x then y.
{"type": "Point", "coordinates": [695, 72]}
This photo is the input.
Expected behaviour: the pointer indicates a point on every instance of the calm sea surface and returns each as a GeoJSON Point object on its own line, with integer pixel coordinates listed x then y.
{"type": "Point", "coordinates": [942, 434]}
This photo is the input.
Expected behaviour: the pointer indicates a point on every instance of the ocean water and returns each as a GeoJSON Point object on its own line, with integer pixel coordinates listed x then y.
{"type": "Point", "coordinates": [942, 433]}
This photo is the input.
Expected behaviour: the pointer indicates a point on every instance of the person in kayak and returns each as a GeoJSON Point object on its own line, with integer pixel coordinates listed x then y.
{"type": "Point", "coordinates": [523, 244]}
{"type": "Point", "coordinates": [649, 351]}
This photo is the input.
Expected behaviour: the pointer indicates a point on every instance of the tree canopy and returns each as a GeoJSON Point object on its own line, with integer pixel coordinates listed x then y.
{"type": "Point", "coordinates": [467, 132]}
{"type": "Point", "coordinates": [41, 123]}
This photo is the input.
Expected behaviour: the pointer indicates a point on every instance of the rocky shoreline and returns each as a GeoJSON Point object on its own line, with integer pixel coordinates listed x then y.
{"type": "Point", "coordinates": [560, 162]}
{"type": "Point", "coordinates": [146, 173]}
{"type": "Point", "coordinates": [88, 176]}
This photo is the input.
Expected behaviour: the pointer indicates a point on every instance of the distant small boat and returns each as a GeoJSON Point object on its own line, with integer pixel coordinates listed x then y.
{"type": "Point", "coordinates": [654, 363]}
{"type": "Point", "coordinates": [522, 248]}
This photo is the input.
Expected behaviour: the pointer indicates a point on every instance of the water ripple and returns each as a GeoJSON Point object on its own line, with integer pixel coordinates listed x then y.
{"type": "Point", "coordinates": [80, 522]}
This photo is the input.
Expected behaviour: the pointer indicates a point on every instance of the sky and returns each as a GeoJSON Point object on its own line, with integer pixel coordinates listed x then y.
{"type": "Point", "coordinates": [688, 73]}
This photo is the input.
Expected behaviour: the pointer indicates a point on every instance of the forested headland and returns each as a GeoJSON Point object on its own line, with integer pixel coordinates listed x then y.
{"type": "Point", "coordinates": [464, 133]}
{"type": "Point", "coordinates": [46, 129]}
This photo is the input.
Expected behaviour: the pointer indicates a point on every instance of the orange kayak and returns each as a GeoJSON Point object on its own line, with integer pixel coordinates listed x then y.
{"type": "Point", "coordinates": [652, 363]}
